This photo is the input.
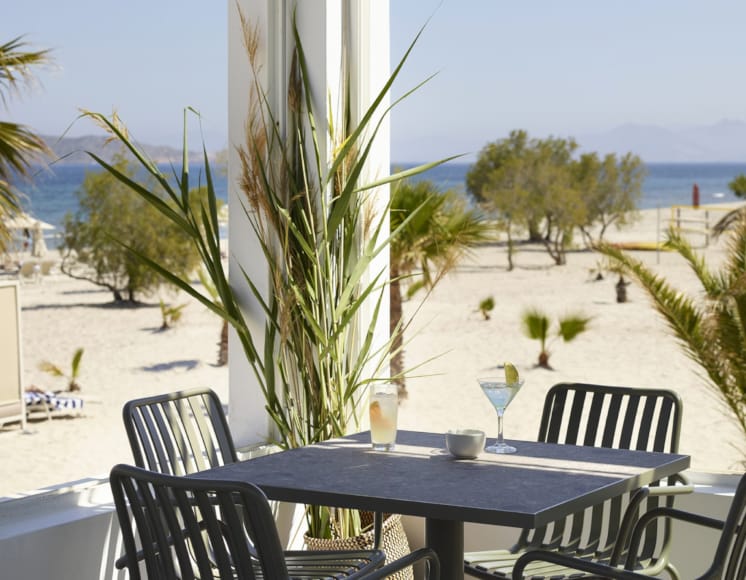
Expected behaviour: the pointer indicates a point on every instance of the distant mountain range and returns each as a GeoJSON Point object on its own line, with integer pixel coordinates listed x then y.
{"type": "Point", "coordinates": [724, 141]}
{"type": "Point", "coordinates": [74, 150]}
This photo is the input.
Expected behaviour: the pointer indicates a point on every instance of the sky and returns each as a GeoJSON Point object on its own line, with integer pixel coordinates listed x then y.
{"type": "Point", "coordinates": [565, 68]}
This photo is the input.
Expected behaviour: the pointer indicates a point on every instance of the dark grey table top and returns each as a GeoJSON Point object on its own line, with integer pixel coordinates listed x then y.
{"type": "Point", "coordinates": [536, 485]}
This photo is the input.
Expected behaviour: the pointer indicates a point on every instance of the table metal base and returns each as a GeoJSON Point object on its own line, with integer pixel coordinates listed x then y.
{"type": "Point", "coordinates": [446, 537]}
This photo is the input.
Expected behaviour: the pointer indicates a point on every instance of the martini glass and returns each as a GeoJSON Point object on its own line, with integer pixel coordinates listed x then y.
{"type": "Point", "coordinates": [500, 394]}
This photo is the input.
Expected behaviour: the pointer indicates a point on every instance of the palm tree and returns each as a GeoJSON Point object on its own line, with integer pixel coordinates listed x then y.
{"type": "Point", "coordinates": [212, 290]}
{"type": "Point", "coordinates": [536, 325]}
{"type": "Point", "coordinates": [712, 331]}
{"type": "Point", "coordinates": [72, 378]}
{"type": "Point", "coordinates": [437, 230]}
{"type": "Point", "coordinates": [18, 144]}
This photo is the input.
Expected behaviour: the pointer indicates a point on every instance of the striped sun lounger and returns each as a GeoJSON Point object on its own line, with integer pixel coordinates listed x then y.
{"type": "Point", "coordinates": [51, 403]}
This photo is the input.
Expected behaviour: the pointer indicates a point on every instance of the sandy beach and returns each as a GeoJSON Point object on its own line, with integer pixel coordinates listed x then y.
{"type": "Point", "coordinates": [126, 356]}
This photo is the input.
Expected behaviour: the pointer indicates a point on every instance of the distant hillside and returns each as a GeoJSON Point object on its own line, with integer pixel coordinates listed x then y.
{"type": "Point", "coordinates": [724, 141]}
{"type": "Point", "coordinates": [73, 150]}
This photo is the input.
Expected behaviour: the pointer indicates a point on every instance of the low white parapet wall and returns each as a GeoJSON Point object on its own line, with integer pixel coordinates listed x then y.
{"type": "Point", "coordinates": [70, 532]}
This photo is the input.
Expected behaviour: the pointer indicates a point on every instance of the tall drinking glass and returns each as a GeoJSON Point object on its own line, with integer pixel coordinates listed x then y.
{"type": "Point", "coordinates": [500, 394]}
{"type": "Point", "coordinates": [384, 409]}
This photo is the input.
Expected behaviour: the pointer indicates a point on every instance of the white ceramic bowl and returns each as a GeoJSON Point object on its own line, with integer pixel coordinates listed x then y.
{"type": "Point", "coordinates": [465, 443]}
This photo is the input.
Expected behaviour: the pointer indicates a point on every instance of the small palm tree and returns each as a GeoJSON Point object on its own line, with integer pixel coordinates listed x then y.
{"type": "Point", "coordinates": [18, 145]}
{"type": "Point", "coordinates": [437, 230]}
{"type": "Point", "coordinates": [711, 330]}
{"type": "Point", "coordinates": [72, 378]}
{"type": "Point", "coordinates": [536, 326]}
{"type": "Point", "coordinates": [486, 306]}
{"type": "Point", "coordinates": [170, 314]}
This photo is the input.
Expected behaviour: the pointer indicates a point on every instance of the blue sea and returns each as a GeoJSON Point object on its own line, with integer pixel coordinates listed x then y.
{"type": "Point", "coordinates": [50, 194]}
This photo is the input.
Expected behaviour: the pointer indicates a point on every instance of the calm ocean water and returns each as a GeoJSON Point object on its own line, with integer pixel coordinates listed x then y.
{"type": "Point", "coordinates": [51, 194]}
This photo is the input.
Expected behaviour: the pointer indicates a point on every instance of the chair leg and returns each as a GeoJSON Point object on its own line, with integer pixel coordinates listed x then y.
{"type": "Point", "coordinates": [377, 530]}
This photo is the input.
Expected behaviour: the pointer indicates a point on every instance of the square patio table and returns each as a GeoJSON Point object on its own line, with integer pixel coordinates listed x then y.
{"type": "Point", "coordinates": [540, 483]}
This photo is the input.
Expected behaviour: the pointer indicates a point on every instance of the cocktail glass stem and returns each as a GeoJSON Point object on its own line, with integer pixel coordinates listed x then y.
{"type": "Point", "coordinates": [500, 446]}
{"type": "Point", "coordinates": [500, 440]}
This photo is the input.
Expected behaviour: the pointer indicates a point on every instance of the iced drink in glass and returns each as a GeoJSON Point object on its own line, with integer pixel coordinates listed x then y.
{"type": "Point", "coordinates": [384, 408]}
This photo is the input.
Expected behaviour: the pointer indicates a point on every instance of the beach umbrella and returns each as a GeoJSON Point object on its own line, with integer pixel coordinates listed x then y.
{"type": "Point", "coordinates": [24, 221]}
{"type": "Point", "coordinates": [30, 229]}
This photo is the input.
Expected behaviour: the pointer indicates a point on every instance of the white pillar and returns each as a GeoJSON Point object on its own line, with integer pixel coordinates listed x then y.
{"type": "Point", "coordinates": [325, 27]}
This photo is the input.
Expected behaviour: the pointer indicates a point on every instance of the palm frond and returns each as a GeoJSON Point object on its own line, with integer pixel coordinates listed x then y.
{"type": "Point", "coordinates": [535, 324]}
{"type": "Point", "coordinates": [573, 325]}
{"type": "Point", "coordinates": [711, 334]}
{"type": "Point", "coordinates": [712, 284]}
{"type": "Point", "coordinates": [75, 366]}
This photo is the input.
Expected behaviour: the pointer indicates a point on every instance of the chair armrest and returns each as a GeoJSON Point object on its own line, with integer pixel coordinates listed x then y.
{"type": "Point", "coordinates": [682, 486]}
{"type": "Point", "coordinates": [425, 554]}
{"type": "Point", "coordinates": [631, 514]}
{"type": "Point", "coordinates": [666, 512]}
{"type": "Point", "coordinates": [579, 564]}
{"type": "Point", "coordinates": [123, 561]}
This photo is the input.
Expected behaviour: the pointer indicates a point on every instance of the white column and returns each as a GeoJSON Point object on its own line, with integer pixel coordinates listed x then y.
{"type": "Point", "coordinates": [248, 419]}
{"type": "Point", "coordinates": [370, 68]}
{"type": "Point", "coordinates": [325, 26]}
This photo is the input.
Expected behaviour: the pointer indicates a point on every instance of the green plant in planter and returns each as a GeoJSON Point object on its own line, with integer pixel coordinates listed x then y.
{"type": "Point", "coordinates": [315, 225]}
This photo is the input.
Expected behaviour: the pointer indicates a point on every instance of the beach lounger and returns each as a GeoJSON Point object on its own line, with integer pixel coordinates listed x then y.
{"type": "Point", "coordinates": [51, 404]}
{"type": "Point", "coordinates": [46, 267]}
{"type": "Point", "coordinates": [30, 272]}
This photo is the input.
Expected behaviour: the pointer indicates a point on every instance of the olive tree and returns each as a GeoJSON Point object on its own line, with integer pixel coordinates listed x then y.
{"type": "Point", "coordinates": [501, 181]}
{"type": "Point", "coordinates": [738, 185]}
{"type": "Point", "coordinates": [528, 183]}
{"type": "Point", "coordinates": [111, 221]}
{"type": "Point", "coordinates": [540, 185]}
{"type": "Point", "coordinates": [557, 194]}
{"type": "Point", "coordinates": [611, 188]}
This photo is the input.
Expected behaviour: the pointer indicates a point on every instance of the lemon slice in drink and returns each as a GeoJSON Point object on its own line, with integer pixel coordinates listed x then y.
{"type": "Point", "coordinates": [511, 374]}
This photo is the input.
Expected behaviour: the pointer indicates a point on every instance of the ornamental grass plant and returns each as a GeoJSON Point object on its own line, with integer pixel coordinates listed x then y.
{"type": "Point", "coordinates": [320, 227]}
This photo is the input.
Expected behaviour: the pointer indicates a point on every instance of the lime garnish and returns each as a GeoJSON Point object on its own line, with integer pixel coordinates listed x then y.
{"type": "Point", "coordinates": [511, 374]}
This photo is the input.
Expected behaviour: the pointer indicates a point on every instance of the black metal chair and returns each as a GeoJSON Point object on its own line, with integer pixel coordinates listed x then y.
{"type": "Point", "coordinates": [728, 562]}
{"type": "Point", "coordinates": [179, 433]}
{"type": "Point", "coordinates": [602, 416]}
{"type": "Point", "coordinates": [186, 432]}
{"type": "Point", "coordinates": [187, 528]}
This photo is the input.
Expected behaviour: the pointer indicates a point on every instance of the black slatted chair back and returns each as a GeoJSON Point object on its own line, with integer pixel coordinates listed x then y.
{"type": "Point", "coordinates": [613, 417]}
{"type": "Point", "coordinates": [192, 529]}
{"type": "Point", "coordinates": [179, 433]}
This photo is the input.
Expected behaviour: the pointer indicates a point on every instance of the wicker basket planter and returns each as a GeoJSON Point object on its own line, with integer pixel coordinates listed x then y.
{"type": "Point", "coordinates": [393, 541]}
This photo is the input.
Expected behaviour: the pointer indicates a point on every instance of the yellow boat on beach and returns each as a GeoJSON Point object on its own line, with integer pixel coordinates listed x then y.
{"type": "Point", "coordinates": [641, 246]}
